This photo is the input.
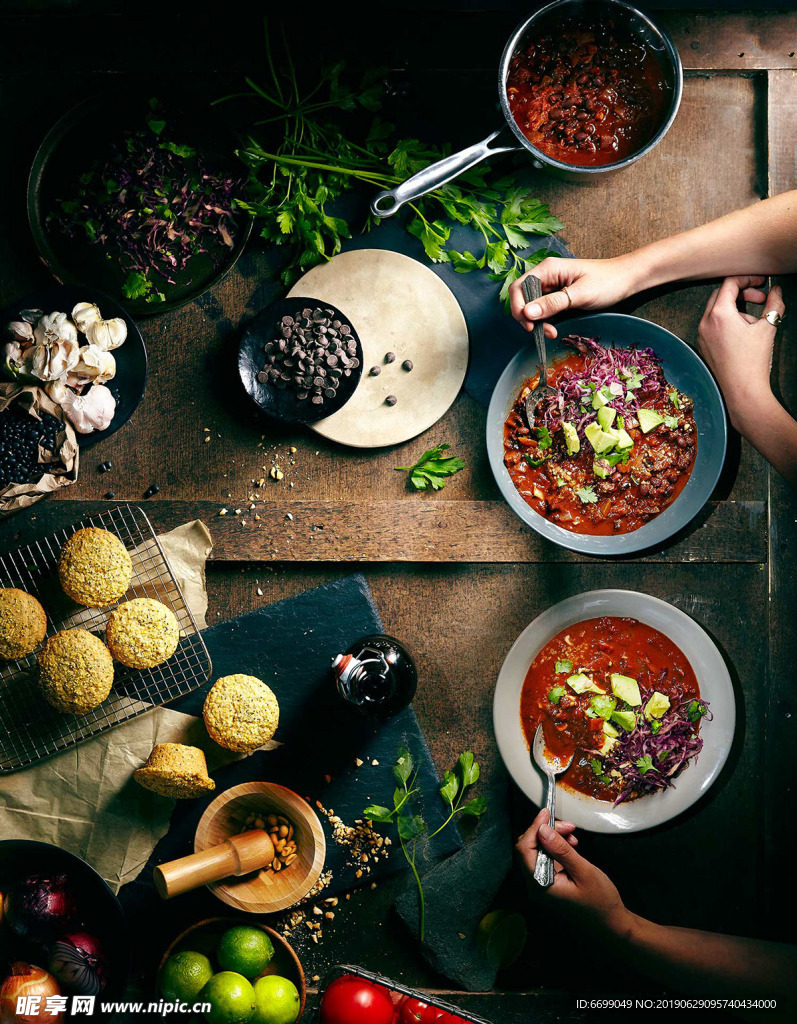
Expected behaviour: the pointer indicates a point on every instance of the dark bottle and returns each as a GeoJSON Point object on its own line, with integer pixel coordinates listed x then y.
{"type": "Point", "coordinates": [376, 676]}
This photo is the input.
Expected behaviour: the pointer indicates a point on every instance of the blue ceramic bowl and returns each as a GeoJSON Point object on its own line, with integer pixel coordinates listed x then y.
{"type": "Point", "coordinates": [682, 367]}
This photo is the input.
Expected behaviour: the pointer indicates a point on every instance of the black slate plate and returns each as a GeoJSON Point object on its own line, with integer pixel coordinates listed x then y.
{"type": "Point", "coordinates": [65, 154]}
{"type": "Point", "coordinates": [283, 405]}
{"type": "Point", "coordinates": [131, 357]}
{"type": "Point", "coordinates": [289, 645]}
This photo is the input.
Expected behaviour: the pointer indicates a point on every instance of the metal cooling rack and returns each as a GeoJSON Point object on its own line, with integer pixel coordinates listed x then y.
{"type": "Point", "coordinates": [30, 730]}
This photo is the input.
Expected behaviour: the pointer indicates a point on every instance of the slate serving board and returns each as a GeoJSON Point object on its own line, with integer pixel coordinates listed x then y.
{"type": "Point", "coordinates": [289, 645]}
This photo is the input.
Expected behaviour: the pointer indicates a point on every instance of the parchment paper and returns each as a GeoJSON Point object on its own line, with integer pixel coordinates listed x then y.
{"type": "Point", "coordinates": [85, 799]}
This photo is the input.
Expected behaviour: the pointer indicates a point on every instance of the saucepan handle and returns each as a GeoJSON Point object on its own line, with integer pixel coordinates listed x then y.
{"type": "Point", "coordinates": [385, 204]}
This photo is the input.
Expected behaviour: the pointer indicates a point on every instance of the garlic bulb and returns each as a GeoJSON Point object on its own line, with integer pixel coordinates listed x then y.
{"type": "Point", "coordinates": [85, 314]}
{"type": "Point", "coordinates": [91, 411]}
{"type": "Point", "coordinates": [107, 334]}
{"type": "Point", "coordinates": [95, 364]}
{"type": "Point", "coordinates": [52, 360]}
{"type": "Point", "coordinates": [55, 327]}
{"type": "Point", "coordinates": [20, 330]}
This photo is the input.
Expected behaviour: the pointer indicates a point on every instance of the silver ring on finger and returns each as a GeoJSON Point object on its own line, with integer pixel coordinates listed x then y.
{"type": "Point", "coordinates": [772, 316]}
{"type": "Point", "coordinates": [569, 298]}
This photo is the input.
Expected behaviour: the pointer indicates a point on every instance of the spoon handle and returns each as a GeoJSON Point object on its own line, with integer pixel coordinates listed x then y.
{"type": "Point", "coordinates": [532, 290]}
{"type": "Point", "coordinates": [543, 870]}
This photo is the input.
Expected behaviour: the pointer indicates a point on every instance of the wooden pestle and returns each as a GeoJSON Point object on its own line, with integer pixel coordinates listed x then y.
{"type": "Point", "coordinates": [238, 855]}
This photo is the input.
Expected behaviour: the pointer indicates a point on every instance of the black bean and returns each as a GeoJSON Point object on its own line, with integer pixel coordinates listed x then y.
{"type": "Point", "coordinates": [109, 495]}
{"type": "Point", "coordinates": [151, 490]}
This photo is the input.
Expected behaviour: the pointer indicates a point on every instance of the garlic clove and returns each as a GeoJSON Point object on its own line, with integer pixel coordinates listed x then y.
{"type": "Point", "coordinates": [95, 364]}
{"type": "Point", "coordinates": [20, 330]}
{"type": "Point", "coordinates": [85, 314]}
{"type": "Point", "coordinates": [52, 360]}
{"type": "Point", "coordinates": [91, 411]}
{"type": "Point", "coordinates": [54, 327]}
{"type": "Point", "coordinates": [107, 334]}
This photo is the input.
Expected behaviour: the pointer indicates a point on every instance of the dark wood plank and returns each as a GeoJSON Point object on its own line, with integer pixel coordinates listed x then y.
{"type": "Point", "coordinates": [427, 530]}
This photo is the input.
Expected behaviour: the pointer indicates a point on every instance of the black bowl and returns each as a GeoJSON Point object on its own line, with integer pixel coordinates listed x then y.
{"type": "Point", "coordinates": [283, 405]}
{"type": "Point", "coordinates": [101, 912]}
{"type": "Point", "coordinates": [131, 358]}
{"type": "Point", "coordinates": [64, 155]}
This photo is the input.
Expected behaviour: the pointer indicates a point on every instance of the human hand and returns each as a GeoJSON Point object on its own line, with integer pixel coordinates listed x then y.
{"type": "Point", "coordinates": [738, 346]}
{"type": "Point", "coordinates": [576, 881]}
{"type": "Point", "coordinates": [591, 284]}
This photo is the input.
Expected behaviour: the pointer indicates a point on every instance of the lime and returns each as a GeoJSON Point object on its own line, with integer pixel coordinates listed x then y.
{"type": "Point", "coordinates": [183, 975]}
{"type": "Point", "coordinates": [244, 949]}
{"type": "Point", "coordinates": [276, 1001]}
{"type": "Point", "coordinates": [502, 937]}
{"type": "Point", "coordinates": [231, 998]}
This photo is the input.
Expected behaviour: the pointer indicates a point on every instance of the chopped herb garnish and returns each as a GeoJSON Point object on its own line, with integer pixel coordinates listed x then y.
{"type": "Point", "coordinates": [655, 725]}
{"type": "Point", "coordinates": [596, 766]}
{"type": "Point", "coordinates": [556, 694]}
{"type": "Point", "coordinates": [544, 438]}
{"type": "Point", "coordinates": [602, 706]}
{"type": "Point", "coordinates": [673, 396]}
{"type": "Point", "coordinates": [587, 495]}
{"type": "Point", "coordinates": [696, 710]}
{"type": "Point", "coordinates": [644, 764]}
{"type": "Point", "coordinates": [671, 422]}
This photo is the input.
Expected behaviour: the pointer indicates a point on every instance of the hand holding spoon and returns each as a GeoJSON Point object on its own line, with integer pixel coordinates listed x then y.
{"type": "Point", "coordinates": [532, 290]}
{"type": "Point", "coordinates": [551, 766]}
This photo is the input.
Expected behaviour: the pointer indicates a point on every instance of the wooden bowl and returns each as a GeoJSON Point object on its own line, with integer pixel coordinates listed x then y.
{"type": "Point", "coordinates": [203, 937]}
{"type": "Point", "coordinates": [264, 892]}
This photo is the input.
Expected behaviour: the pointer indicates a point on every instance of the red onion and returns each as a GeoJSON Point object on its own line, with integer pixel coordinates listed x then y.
{"type": "Point", "coordinates": [27, 980]}
{"type": "Point", "coordinates": [79, 964]}
{"type": "Point", "coordinates": [40, 907]}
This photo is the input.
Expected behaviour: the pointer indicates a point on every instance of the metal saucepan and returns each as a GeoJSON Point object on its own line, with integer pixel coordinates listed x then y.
{"type": "Point", "coordinates": [386, 203]}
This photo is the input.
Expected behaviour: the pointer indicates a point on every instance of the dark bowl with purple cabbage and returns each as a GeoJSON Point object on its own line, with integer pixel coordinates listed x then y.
{"type": "Point", "coordinates": [134, 195]}
{"type": "Point", "coordinates": [683, 369]}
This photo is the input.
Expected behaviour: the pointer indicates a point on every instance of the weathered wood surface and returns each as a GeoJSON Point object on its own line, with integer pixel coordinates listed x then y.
{"type": "Point", "coordinates": [433, 530]}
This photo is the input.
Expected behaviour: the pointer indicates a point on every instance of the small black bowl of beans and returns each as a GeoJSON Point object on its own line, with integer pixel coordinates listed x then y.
{"type": "Point", "coordinates": [300, 359]}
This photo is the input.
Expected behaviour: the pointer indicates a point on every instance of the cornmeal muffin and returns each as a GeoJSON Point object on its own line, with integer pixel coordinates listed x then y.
{"type": "Point", "coordinates": [142, 633]}
{"type": "Point", "coordinates": [175, 770]}
{"type": "Point", "coordinates": [94, 567]}
{"type": "Point", "coordinates": [22, 623]}
{"type": "Point", "coordinates": [75, 671]}
{"type": "Point", "coordinates": [241, 713]}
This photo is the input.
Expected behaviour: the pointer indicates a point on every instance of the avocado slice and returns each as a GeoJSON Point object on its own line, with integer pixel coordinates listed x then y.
{"type": "Point", "coordinates": [610, 730]}
{"type": "Point", "coordinates": [626, 689]}
{"type": "Point", "coordinates": [624, 439]}
{"type": "Point", "coordinates": [601, 468]}
{"type": "Point", "coordinates": [601, 441]}
{"type": "Point", "coordinates": [601, 397]}
{"type": "Point", "coordinates": [649, 419]}
{"type": "Point", "coordinates": [657, 706]}
{"type": "Point", "coordinates": [571, 439]}
{"type": "Point", "coordinates": [606, 416]}
{"type": "Point", "coordinates": [626, 719]}
{"type": "Point", "coordinates": [608, 743]}
{"type": "Point", "coordinates": [581, 683]}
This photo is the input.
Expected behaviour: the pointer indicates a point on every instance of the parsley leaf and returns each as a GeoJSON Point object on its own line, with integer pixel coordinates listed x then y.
{"type": "Point", "coordinates": [587, 495]}
{"type": "Point", "coordinates": [644, 764]}
{"type": "Point", "coordinates": [596, 766]}
{"type": "Point", "coordinates": [432, 469]}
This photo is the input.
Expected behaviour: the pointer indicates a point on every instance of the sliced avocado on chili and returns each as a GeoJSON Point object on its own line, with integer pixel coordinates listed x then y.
{"type": "Point", "coordinates": [600, 440]}
{"type": "Point", "coordinates": [606, 416]}
{"type": "Point", "coordinates": [581, 683]}
{"type": "Point", "coordinates": [649, 419]}
{"type": "Point", "coordinates": [625, 719]}
{"type": "Point", "coordinates": [626, 689]}
{"type": "Point", "coordinates": [571, 439]}
{"type": "Point", "coordinates": [658, 705]}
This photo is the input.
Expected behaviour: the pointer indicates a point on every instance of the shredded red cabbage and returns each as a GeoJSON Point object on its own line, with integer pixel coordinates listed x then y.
{"type": "Point", "coordinates": [669, 749]}
{"type": "Point", "coordinates": [632, 375]}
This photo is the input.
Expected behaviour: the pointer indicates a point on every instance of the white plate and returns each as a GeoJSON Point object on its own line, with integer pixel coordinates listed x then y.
{"type": "Point", "coordinates": [712, 677]}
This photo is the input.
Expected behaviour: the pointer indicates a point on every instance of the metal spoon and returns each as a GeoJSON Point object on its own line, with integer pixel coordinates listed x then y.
{"type": "Point", "coordinates": [532, 290]}
{"type": "Point", "coordinates": [551, 766]}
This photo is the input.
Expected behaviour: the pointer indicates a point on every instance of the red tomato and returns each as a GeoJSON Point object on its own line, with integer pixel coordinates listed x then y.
{"type": "Point", "coordinates": [444, 1017]}
{"type": "Point", "coordinates": [416, 1011]}
{"type": "Point", "coordinates": [352, 1000]}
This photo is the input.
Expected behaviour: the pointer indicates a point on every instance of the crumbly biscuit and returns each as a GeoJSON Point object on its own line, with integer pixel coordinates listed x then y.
{"type": "Point", "coordinates": [23, 623]}
{"type": "Point", "coordinates": [94, 567]}
{"type": "Point", "coordinates": [75, 671]}
{"type": "Point", "coordinates": [142, 633]}
{"type": "Point", "coordinates": [175, 770]}
{"type": "Point", "coordinates": [241, 713]}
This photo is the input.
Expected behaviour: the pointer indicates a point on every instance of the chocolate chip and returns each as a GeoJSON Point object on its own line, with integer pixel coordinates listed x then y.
{"type": "Point", "coordinates": [390, 357]}
{"type": "Point", "coordinates": [375, 371]}
{"type": "Point", "coordinates": [407, 365]}
{"type": "Point", "coordinates": [391, 400]}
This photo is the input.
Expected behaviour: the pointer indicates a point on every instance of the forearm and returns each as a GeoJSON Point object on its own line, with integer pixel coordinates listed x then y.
{"type": "Point", "coordinates": [759, 239]}
{"type": "Point", "coordinates": [770, 430]}
{"type": "Point", "coordinates": [707, 963]}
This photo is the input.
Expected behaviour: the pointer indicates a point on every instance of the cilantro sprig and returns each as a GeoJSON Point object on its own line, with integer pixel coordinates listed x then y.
{"type": "Point", "coordinates": [410, 825]}
{"type": "Point", "coordinates": [432, 468]}
{"type": "Point", "coordinates": [293, 185]}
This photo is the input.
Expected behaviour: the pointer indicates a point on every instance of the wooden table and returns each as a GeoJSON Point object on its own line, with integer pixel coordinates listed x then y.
{"type": "Point", "coordinates": [455, 573]}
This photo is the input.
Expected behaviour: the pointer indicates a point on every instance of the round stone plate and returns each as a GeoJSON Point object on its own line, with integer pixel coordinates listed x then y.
{"type": "Point", "coordinates": [396, 305]}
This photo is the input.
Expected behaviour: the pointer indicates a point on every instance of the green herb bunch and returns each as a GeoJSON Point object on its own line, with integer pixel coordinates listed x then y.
{"type": "Point", "coordinates": [413, 831]}
{"type": "Point", "coordinates": [294, 183]}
